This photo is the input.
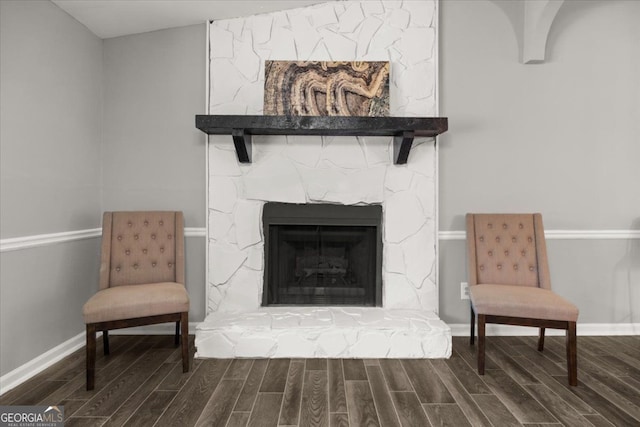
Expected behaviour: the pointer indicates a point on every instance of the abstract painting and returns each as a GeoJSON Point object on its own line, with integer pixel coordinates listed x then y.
{"type": "Point", "coordinates": [336, 88]}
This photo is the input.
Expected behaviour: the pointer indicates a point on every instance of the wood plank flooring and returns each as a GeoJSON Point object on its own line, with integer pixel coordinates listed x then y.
{"type": "Point", "coordinates": [141, 384]}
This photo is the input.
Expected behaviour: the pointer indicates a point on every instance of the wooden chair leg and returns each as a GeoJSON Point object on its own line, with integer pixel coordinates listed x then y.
{"type": "Point", "coordinates": [481, 338]}
{"type": "Point", "coordinates": [91, 356]}
{"type": "Point", "coordinates": [541, 340]}
{"type": "Point", "coordinates": [184, 321]}
{"type": "Point", "coordinates": [176, 340]}
{"type": "Point", "coordinates": [105, 342]}
{"type": "Point", "coordinates": [472, 333]}
{"type": "Point", "coordinates": [572, 354]}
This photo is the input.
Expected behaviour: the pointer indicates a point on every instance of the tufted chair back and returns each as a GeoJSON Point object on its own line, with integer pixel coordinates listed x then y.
{"type": "Point", "coordinates": [142, 247]}
{"type": "Point", "coordinates": [507, 249]}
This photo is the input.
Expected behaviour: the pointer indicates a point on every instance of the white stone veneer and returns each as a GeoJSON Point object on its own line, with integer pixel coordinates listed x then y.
{"type": "Point", "coordinates": [308, 169]}
{"type": "Point", "coordinates": [349, 332]}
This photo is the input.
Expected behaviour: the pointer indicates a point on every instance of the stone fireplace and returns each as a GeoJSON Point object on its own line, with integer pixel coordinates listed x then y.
{"type": "Point", "coordinates": [390, 311]}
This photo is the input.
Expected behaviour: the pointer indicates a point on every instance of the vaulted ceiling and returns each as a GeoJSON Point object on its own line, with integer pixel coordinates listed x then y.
{"type": "Point", "coordinates": [113, 18]}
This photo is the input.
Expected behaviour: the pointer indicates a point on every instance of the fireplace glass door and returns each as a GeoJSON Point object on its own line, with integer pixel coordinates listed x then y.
{"type": "Point", "coordinates": [322, 259]}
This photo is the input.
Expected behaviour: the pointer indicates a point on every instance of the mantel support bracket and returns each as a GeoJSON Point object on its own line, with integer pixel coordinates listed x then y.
{"type": "Point", "coordinates": [242, 142]}
{"type": "Point", "coordinates": [402, 146]}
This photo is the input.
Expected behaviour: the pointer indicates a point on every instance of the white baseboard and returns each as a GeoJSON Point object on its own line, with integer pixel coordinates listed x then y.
{"type": "Point", "coordinates": [40, 363]}
{"type": "Point", "coordinates": [584, 329]}
{"type": "Point", "coordinates": [22, 373]}
{"type": "Point", "coordinates": [596, 329]}
{"type": "Point", "coordinates": [159, 329]}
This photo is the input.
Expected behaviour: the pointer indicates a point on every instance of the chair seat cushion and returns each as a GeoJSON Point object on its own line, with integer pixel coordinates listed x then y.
{"type": "Point", "coordinates": [131, 301]}
{"type": "Point", "coordinates": [521, 301]}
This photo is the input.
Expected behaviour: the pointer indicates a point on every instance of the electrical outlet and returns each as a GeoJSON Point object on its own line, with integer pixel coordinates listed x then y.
{"type": "Point", "coordinates": [464, 290]}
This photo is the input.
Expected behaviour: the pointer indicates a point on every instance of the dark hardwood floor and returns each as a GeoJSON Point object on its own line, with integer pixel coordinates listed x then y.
{"type": "Point", "coordinates": [141, 384]}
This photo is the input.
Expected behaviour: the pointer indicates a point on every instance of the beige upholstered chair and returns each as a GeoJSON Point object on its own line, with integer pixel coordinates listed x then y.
{"type": "Point", "coordinates": [141, 279]}
{"type": "Point", "coordinates": [509, 281]}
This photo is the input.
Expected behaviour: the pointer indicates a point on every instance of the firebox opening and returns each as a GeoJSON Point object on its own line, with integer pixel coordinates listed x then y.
{"type": "Point", "coordinates": [322, 255]}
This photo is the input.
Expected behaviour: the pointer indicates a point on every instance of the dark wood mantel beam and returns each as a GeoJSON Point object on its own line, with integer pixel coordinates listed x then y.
{"type": "Point", "coordinates": [241, 127]}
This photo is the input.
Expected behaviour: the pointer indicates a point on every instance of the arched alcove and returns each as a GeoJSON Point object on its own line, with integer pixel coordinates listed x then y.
{"type": "Point", "coordinates": [531, 22]}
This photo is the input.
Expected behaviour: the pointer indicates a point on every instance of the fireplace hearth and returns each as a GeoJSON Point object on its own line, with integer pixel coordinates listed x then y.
{"type": "Point", "coordinates": [322, 254]}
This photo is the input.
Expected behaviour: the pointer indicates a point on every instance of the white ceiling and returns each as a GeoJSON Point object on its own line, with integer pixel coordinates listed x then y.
{"type": "Point", "coordinates": [113, 18]}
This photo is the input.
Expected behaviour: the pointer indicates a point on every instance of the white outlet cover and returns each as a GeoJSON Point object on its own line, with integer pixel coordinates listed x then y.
{"type": "Point", "coordinates": [464, 290]}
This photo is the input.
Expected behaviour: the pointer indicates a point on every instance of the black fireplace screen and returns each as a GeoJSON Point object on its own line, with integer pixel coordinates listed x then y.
{"type": "Point", "coordinates": [322, 255]}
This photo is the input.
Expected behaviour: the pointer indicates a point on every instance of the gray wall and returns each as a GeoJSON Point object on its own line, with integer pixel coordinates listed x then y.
{"type": "Point", "coordinates": [51, 73]}
{"type": "Point", "coordinates": [153, 157]}
{"type": "Point", "coordinates": [50, 110]}
{"type": "Point", "coordinates": [43, 290]}
{"type": "Point", "coordinates": [89, 125]}
{"type": "Point", "coordinates": [561, 138]}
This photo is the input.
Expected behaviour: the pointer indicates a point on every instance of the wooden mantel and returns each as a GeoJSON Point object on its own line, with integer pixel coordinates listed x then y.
{"type": "Point", "coordinates": [403, 129]}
